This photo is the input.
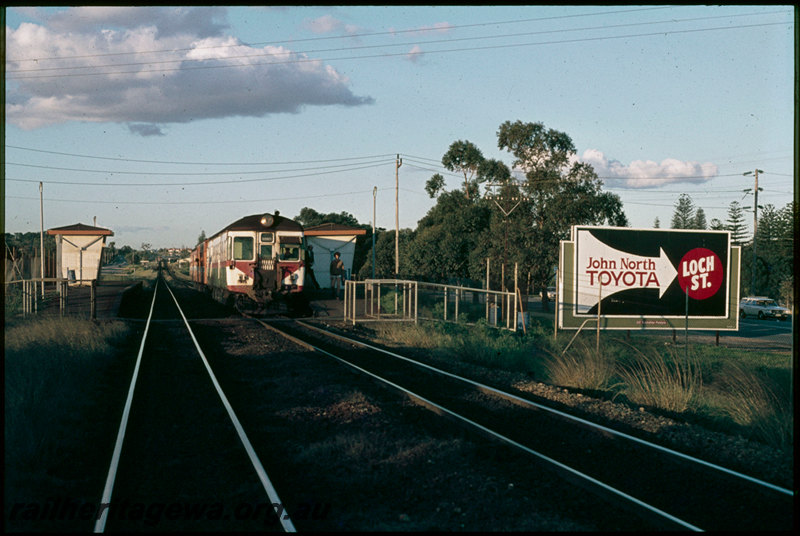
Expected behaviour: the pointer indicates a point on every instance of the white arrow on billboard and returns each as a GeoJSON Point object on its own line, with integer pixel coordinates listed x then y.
{"type": "Point", "coordinates": [598, 264]}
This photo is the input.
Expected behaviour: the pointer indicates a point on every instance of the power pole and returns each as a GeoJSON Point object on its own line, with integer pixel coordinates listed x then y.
{"type": "Point", "coordinates": [755, 228]}
{"type": "Point", "coordinates": [374, 198]}
{"type": "Point", "coordinates": [397, 163]}
{"type": "Point", "coordinates": [41, 235]}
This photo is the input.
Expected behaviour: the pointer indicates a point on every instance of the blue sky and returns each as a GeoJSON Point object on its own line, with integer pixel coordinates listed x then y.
{"type": "Point", "coordinates": [165, 122]}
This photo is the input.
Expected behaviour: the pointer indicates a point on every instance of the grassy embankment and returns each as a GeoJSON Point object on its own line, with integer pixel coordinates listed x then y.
{"type": "Point", "coordinates": [63, 379]}
{"type": "Point", "coordinates": [731, 390]}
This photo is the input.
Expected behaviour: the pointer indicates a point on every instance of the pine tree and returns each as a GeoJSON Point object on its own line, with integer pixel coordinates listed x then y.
{"type": "Point", "coordinates": [684, 215]}
{"type": "Point", "coordinates": [657, 223]}
{"type": "Point", "coordinates": [700, 219]}
{"type": "Point", "coordinates": [717, 225]}
{"type": "Point", "coordinates": [735, 224]}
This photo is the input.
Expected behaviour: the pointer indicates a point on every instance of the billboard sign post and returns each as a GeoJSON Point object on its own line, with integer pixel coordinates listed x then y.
{"type": "Point", "coordinates": [650, 279]}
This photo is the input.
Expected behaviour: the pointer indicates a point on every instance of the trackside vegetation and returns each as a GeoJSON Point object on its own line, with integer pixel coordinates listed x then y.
{"type": "Point", "coordinates": [742, 392]}
{"type": "Point", "coordinates": [57, 373]}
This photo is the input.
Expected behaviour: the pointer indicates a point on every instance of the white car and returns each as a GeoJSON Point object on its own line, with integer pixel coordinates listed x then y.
{"type": "Point", "coordinates": [762, 307]}
{"type": "Point", "coordinates": [551, 293]}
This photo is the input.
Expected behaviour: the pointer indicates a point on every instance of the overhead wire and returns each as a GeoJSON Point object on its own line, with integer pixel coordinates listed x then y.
{"type": "Point", "coordinates": [388, 55]}
{"type": "Point", "coordinates": [386, 45]}
{"type": "Point", "coordinates": [423, 29]}
{"type": "Point", "coordinates": [199, 163]}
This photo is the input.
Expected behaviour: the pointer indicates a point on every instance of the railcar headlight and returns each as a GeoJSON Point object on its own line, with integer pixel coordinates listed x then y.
{"type": "Point", "coordinates": [267, 220]}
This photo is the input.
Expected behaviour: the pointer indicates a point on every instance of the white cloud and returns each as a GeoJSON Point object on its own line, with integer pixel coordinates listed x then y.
{"type": "Point", "coordinates": [152, 66]}
{"type": "Point", "coordinates": [328, 24]}
{"type": "Point", "coordinates": [415, 54]}
{"type": "Point", "coordinates": [647, 173]}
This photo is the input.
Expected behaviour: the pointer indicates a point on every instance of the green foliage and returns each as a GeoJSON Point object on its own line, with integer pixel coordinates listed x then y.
{"type": "Point", "coordinates": [385, 254]}
{"type": "Point", "coordinates": [684, 215]}
{"type": "Point", "coordinates": [525, 220]}
{"type": "Point", "coordinates": [661, 381]}
{"type": "Point", "coordinates": [465, 158]}
{"type": "Point", "coordinates": [755, 403]}
{"type": "Point", "coordinates": [449, 239]}
{"type": "Point", "coordinates": [309, 217]}
{"type": "Point", "coordinates": [434, 185]}
{"type": "Point", "coordinates": [735, 224]}
{"type": "Point", "coordinates": [775, 250]}
{"type": "Point", "coordinates": [700, 219]}
{"type": "Point", "coordinates": [28, 244]}
{"type": "Point", "coordinates": [582, 367]}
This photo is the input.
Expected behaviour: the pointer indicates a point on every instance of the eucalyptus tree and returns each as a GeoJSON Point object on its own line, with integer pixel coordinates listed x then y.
{"type": "Point", "coordinates": [465, 158]}
{"type": "Point", "coordinates": [560, 192]}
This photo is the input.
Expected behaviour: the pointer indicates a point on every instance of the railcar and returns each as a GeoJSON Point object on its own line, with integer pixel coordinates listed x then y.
{"type": "Point", "coordinates": [254, 262]}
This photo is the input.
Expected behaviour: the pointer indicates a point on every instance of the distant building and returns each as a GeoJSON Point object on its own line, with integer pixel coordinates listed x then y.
{"type": "Point", "coordinates": [327, 239]}
{"type": "Point", "coordinates": [79, 249]}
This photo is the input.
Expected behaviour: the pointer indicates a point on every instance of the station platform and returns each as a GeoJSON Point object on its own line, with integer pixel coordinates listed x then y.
{"type": "Point", "coordinates": [78, 303]}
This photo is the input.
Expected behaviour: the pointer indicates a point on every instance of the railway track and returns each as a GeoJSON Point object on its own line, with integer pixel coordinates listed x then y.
{"type": "Point", "coordinates": [342, 450]}
{"type": "Point", "coordinates": [674, 490]}
{"type": "Point", "coordinates": [181, 459]}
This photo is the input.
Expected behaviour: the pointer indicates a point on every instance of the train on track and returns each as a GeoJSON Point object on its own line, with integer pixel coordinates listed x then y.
{"type": "Point", "coordinates": [255, 262]}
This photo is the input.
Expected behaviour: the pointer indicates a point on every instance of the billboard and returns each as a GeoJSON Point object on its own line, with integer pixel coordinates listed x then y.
{"type": "Point", "coordinates": [648, 279]}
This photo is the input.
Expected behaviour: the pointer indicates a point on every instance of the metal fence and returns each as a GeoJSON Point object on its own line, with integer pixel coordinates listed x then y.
{"type": "Point", "coordinates": [49, 294]}
{"type": "Point", "coordinates": [401, 300]}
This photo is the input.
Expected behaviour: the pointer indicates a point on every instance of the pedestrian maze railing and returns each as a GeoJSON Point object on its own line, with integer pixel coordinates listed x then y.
{"type": "Point", "coordinates": [399, 300]}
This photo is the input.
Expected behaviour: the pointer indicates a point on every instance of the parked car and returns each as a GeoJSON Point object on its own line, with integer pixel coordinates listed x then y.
{"type": "Point", "coordinates": [551, 293]}
{"type": "Point", "coordinates": [762, 307]}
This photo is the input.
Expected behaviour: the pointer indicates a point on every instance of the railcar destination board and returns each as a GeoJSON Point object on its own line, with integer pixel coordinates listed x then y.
{"type": "Point", "coordinates": [648, 279]}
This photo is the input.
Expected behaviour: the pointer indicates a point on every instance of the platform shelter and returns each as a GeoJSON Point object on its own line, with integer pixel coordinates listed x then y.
{"type": "Point", "coordinates": [79, 250]}
{"type": "Point", "coordinates": [328, 239]}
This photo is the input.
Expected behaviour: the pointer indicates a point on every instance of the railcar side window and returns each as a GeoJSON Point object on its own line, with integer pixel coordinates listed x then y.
{"type": "Point", "coordinates": [242, 248]}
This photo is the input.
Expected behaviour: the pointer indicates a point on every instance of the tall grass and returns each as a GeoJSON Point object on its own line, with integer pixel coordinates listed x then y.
{"type": "Point", "coordinates": [706, 386]}
{"type": "Point", "coordinates": [668, 382]}
{"type": "Point", "coordinates": [755, 403]}
{"type": "Point", "coordinates": [583, 367]}
{"type": "Point", "coordinates": [52, 366]}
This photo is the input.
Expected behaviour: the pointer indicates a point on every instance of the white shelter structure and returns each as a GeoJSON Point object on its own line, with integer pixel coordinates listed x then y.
{"type": "Point", "coordinates": [79, 250]}
{"type": "Point", "coordinates": [327, 239]}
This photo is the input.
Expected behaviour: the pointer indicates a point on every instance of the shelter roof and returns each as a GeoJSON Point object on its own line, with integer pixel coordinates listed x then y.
{"type": "Point", "coordinates": [80, 229]}
{"type": "Point", "coordinates": [333, 229]}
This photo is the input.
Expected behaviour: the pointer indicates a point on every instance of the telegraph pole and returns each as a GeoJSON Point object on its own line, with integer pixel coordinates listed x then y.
{"type": "Point", "coordinates": [397, 163]}
{"type": "Point", "coordinates": [41, 235]}
{"type": "Point", "coordinates": [374, 198]}
{"type": "Point", "coordinates": [755, 228]}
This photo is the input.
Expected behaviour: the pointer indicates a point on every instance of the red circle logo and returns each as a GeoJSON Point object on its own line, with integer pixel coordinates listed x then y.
{"type": "Point", "coordinates": [700, 273]}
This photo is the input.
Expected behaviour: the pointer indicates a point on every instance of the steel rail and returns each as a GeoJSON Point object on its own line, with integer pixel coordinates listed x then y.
{"type": "Point", "coordinates": [105, 501]}
{"type": "Point", "coordinates": [523, 401]}
{"type": "Point", "coordinates": [443, 410]}
{"type": "Point", "coordinates": [283, 517]}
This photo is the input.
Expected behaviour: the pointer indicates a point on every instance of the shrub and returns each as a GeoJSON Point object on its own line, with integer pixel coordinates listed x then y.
{"type": "Point", "coordinates": [582, 367]}
{"type": "Point", "coordinates": [655, 381]}
{"type": "Point", "coordinates": [756, 404]}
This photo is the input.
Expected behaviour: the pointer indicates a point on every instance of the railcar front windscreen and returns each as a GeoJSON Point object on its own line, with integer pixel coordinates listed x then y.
{"type": "Point", "coordinates": [243, 248]}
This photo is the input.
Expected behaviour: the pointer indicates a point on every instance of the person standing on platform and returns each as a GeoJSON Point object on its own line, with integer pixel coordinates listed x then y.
{"type": "Point", "coordinates": [337, 274]}
{"type": "Point", "coordinates": [310, 267]}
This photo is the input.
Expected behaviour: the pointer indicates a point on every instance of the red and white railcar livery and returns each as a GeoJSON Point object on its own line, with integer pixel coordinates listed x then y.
{"type": "Point", "coordinates": [253, 261]}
